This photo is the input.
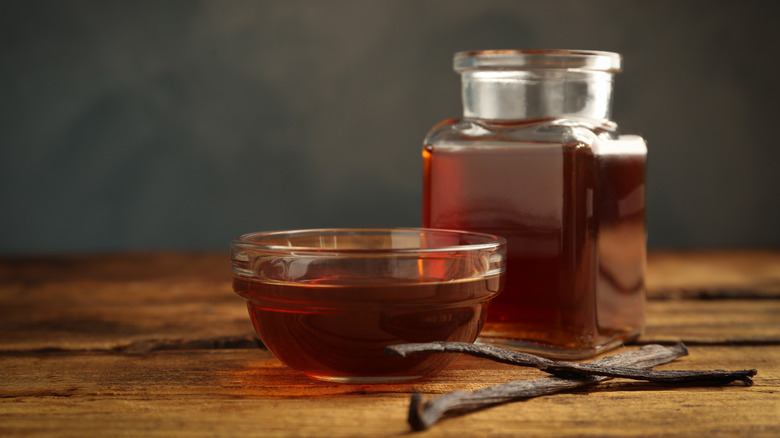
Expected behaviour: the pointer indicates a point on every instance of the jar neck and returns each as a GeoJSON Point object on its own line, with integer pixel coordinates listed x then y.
{"type": "Point", "coordinates": [505, 94]}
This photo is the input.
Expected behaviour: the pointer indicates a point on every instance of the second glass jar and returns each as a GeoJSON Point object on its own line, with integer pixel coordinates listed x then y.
{"type": "Point", "coordinates": [537, 160]}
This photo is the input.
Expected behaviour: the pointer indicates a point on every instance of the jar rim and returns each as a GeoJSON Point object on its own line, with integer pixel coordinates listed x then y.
{"type": "Point", "coordinates": [538, 59]}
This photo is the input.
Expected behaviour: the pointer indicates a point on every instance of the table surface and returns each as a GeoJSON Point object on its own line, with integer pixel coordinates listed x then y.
{"type": "Point", "coordinates": [156, 344]}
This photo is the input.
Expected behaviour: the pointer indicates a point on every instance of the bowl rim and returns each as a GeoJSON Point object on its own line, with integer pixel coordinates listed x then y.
{"type": "Point", "coordinates": [243, 242]}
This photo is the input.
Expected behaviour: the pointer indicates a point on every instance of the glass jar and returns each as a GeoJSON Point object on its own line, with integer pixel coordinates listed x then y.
{"type": "Point", "coordinates": [537, 160]}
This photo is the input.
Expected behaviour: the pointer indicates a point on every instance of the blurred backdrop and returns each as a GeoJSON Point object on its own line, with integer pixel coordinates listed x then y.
{"type": "Point", "coordinates": [181, 124]}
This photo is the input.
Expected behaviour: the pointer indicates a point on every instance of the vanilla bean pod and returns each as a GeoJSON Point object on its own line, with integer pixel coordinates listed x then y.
{"type": "Point", "coordinates": [423, 415]}
{"type": "Point", "coordinates": [570, 369]}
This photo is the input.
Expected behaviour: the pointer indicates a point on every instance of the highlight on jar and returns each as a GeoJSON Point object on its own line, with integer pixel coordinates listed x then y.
{"type": "Point", "coordinates": [326, 302]}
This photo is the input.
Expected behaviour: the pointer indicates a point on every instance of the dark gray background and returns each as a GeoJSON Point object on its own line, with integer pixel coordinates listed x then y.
{"type": "Point", "coordinates": [178, 124]}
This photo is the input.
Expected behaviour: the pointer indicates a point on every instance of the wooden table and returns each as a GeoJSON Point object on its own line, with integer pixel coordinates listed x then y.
{"type": "Point", "coordinates": [158, 345]}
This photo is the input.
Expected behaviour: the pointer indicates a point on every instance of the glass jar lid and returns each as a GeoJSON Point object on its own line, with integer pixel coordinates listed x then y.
{"type": "Point", "coordinates": [588, 60]}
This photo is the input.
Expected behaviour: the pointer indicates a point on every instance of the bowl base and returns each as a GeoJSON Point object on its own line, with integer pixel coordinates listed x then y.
{"type": "Point", "coordinates": [364, 379]}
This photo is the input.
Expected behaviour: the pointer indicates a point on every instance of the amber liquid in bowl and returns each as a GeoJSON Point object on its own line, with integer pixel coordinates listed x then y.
{"type": "Point", "coordinates": [302, 327]}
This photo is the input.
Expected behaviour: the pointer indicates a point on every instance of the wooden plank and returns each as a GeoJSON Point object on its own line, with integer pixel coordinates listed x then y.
{"type": "Point", "coordinates": [669, 273]}
{"type": "Point", "coordinates": [141, 266]}
{"type": "Point", "coordinates": [144, 302]}
{"type": "Point", "coordinates": [134, 301]}
{"type": "Point", "coordinates": [713, 274]}
{"type": "Point", "coordinates": [88, 314]}
{"type": "Point", "coordinates": [84, 320]}
{"type": "Point", "coordinates": [713, 322]}
{"type": "Point", "coordinates": [248, 393]}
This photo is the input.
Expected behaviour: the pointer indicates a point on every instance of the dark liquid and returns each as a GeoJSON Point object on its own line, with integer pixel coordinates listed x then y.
{"type": "Point", "coordinates": [575, 228]}
{"type": "Point", "coordinates": [297, 323]}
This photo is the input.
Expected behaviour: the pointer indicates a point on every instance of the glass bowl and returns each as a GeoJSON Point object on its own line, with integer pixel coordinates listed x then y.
{"type": "Point", "coordinates": [327, 302]}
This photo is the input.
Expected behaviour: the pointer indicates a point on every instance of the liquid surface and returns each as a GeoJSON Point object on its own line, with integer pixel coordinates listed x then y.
{"type": "Point", "coordinates": [300, 325]}
{"type": "Point", "coordinates": [574, 222]}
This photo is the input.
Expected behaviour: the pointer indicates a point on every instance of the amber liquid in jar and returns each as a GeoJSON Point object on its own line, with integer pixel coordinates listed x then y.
{"type": "Point", "coordinates": [299, 326]}
{"type": "Point", "coordinates": [575, 225]}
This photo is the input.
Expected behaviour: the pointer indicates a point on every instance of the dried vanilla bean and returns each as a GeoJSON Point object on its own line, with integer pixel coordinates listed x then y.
{"type": "Point", "coordinates": [572, 369]}
{"type": "Point", "coordinates": [423, 415]}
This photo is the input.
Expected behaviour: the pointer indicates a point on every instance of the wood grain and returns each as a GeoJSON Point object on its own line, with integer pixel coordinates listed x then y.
{"type": "Point", "coordinates": [157, 344]}
{"type": "Point", "coordinates": [713, 274]}
{"type": "Point", "coordinates": [249, 393]}
{"type": "Point", "coordinates": [151, 301]}
{"type": "Point", "coordinates": [136, 302]}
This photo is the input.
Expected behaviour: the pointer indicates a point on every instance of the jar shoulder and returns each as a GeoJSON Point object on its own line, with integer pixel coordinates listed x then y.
{"type": "Point", "coordinates": [549, 130]}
